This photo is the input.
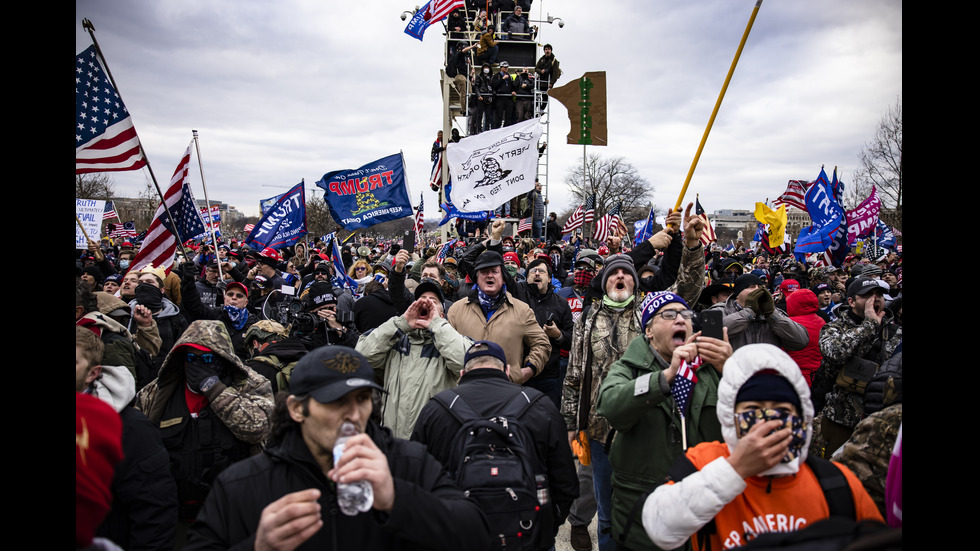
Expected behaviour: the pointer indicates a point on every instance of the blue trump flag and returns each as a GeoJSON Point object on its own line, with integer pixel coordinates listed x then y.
{"type": "Point", "coordinates": [418, 23]}
{"type": "Point", "coordinates": [284, 223]}
{"type": "Point", "coordinates": [827, 216]}
{"type": "Point", "coordinates": [644, 228]}
{"type": "Point", "coordinates": [451, 211]}
{"type": "Point", "coordinates": [374, 193]}
{"type": "Point", "coordinates": [885, 235]}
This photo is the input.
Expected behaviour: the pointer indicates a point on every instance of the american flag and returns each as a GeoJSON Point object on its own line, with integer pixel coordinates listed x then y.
{"type": "Point", "coordinates": [439, 9]}
{"type": "Point", "coordinates": [683, 384]}
{"type": "Point", "coordinates": [794, 196]}
{"type": "Point", "coordinates": [708, 235]}
{"type": "Point", "coordinates": [126, 229]}
{"type": "Point", "coordinates": [105, 138]}
{"type": "Point", "coordinates": [444, 251]}
{"type": "Point", "coordinates": [110, 212]}
{"type": "Point", "coordinates": [419, 220]}
{"type": "Point", "coordinates": [582, 215]}
{"type": "Point", "coordinates": [215, 213]}
{"type": "Point", "coordinates": [524, 225]}
{"type": "Point", "coordinates": [248, 228]}
{"type": "Point", "coordinates": [160, 244]}
{"type": "Point", "coordinates": [610, 224]}
{"type": "Point", "coordinates": [435, 179]}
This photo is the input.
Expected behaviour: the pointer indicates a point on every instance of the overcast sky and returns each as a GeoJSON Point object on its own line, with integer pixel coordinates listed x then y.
{"type": "Point", "coordinates": [292, 89]}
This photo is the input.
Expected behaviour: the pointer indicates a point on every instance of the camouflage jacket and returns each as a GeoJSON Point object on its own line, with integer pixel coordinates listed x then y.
{"type": "Point", "coordinates": [869, 451]}
{"type": "Point", "coordinates": [690, 278]}
{"type": "Point", "coordinates": [599, 338]}
{"type": "Point", "coordinates": [244, 406]}
{"type": "Point", "coordinates": [840, 340]}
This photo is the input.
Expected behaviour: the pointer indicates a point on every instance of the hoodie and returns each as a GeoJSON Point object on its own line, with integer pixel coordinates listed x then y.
{"type": "Point", "coordinates": [244, 405]}
{"type": "Point", "coordinates": [781, 499]}
{"type": "Point", "coordinates": [802, 306]}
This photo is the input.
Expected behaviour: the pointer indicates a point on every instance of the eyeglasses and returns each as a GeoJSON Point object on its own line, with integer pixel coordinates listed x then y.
{"type": "Point", "coordinates": [235, 295]}
{"type": "Point", "coordinates": [539, 271]}
{"type": "Point", "coordinates": [201, 358]}
{"type": "Point", "coordinates": [360, 268]}
{"type": "Point", "coordinates": [671, 315]}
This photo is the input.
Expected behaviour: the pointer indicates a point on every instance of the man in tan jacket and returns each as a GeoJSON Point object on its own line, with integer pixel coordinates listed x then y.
{"type": "Point", "coordinates": [491, 313]}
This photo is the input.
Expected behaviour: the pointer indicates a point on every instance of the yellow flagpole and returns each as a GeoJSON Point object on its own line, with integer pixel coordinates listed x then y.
{"type": "Point", "coordinates": [714, 113]}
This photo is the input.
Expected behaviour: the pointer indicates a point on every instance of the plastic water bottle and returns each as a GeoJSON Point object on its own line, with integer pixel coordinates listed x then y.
{"type": "Point", "coordinates": [352, 497]}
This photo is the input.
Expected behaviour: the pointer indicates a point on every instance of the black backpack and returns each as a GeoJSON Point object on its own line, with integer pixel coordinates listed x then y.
{"type": "Point", "coordinates": [496, 464]}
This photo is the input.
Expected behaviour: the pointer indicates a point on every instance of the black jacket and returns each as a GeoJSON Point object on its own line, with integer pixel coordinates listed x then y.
{"type": "Point", "coordinates": [144, 494]}
{"type": "Point", "coordinates": [487, 391]}
{"type": "Point", "coordinates": [550, 304]}
{"type": "Point", "coordinates": [429, 511]}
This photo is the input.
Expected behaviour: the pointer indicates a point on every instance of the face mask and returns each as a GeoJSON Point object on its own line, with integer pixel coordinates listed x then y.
{"type": "Point", "coordinates": [512, 270]}
{"type": "Point", "coordinates": [583, 278]}
{"type": "Point", "coordinates": [149, 296]}
{"type": "Point", "coordinates": [124, 264]}
{"type": "Point", "coordinates": [747, 419]}
{"type": "Point", "coordinates": [486, 71]}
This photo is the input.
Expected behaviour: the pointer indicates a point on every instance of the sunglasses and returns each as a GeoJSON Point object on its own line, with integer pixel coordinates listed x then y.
{"type": "Point", "coordinates": [201, 358]}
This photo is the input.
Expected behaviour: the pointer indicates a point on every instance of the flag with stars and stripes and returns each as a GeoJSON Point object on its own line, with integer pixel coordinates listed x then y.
{"type": "Point", "coordinates": [419, 217]}
{"type": "Point", "coordinates": [161, 242]}
{"type": "Point", "coordinates": [524, 225]}
{"type": "Point", "coordinates": [589, 209]}
{"type": "Point", "coordinates": [682, 386]}
{"type": "Point", "coordinates": [126, 229]}
{"type": "Point", "coordinates": [609, 224]}
{"type": "Point", "coordinates": [110, 212]}
{"type": "Point", "coordinates": [105, 138]}
{"type": "Point", "coordinates": [708, 235]}
{"type": "Point", "coordinates": [444, 251]}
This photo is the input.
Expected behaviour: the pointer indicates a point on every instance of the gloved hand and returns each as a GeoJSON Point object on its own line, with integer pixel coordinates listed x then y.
{"type": "Point", "coordinates": [197, 372]}
{"type": "Point", "coordinates": [761, 302]}
{"type": "Point", "coordinates": [188, 272]}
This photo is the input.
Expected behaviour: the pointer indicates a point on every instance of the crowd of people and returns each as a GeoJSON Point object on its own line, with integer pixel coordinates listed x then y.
{"type": "Point", "coordinates": [681, 394]}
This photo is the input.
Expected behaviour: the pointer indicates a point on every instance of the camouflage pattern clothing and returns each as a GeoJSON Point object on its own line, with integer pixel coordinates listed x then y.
{"type": "Point", "coordinates": [844, 338]}
{"type": "Point", "coordinates": [599, 338]}
{"type": "Point", "coordinates": [690, 278]}
{"type": "Point", "coordinates": [244, 406]}
{"type": "Point", "coordinates": [869, 451]}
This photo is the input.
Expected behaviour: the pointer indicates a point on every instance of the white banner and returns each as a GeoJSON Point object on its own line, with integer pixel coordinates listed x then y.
{"type": "Point", "coordinates": [493, 167]}
{"type": "Point", "coordinates": [89, 211]}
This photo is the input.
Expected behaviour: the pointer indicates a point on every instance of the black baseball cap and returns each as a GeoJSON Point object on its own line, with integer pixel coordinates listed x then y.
{"type": "Point", "coordinates": [329, 373]}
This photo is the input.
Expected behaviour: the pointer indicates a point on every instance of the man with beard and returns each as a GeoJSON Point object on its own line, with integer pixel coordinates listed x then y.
{"type": "Point", "coordinates": [287, 496]}
{"type": "Point", "coordinates": [601, 335]}
{"type": "Point", "coordinates": [555, 318]}
{"type": "Point", "coordinates": [853, 346]}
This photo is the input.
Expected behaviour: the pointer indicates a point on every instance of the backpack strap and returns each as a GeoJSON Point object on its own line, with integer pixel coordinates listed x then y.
{"type": "Point", "coordinates": [456, 405]}
{"type": "Point", "coordinates": [835, 488]}
{"type": "Point", "coordinates": [520, 402]}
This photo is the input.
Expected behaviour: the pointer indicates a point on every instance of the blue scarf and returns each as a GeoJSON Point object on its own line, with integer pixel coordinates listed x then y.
{"type": "Point", "coordinates": [488, 304]}
{"type": "Point", "coordinates": [238, 316]}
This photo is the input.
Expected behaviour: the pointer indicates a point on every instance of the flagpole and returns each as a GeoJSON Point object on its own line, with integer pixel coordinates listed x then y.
{"type": "Point", "coordinates": [714, 112]}
{"type": "Point", "coordinates": [207, 202]}
{"type": "Point", "coordinates": [87, 25]}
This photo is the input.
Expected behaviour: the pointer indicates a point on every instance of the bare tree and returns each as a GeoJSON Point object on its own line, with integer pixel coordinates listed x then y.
{"type": "Point", "coordinates": [318, 219]}
{"type": "Point", "coordinates": [96, 185]}
{"type": "Point", "coordinates": [881, 166]}
{"type": "Point", "coordinates": [612, 181]}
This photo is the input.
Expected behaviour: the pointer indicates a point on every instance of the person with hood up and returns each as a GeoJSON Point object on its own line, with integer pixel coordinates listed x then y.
{"type": "Point", "coordinates": [212, 410]}
{"type": "Point", "coordinates": [803, 306]}
{"type": "Point", "coordinates": [759, 478]}
{"type": "Point", "coordinates": [418, 355]}
{"type": "Point", "coordinates": [170, 322]}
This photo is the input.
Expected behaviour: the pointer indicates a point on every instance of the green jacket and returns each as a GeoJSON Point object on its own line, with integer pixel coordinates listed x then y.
{"type": "Point", "coordinates": [648, 436]}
